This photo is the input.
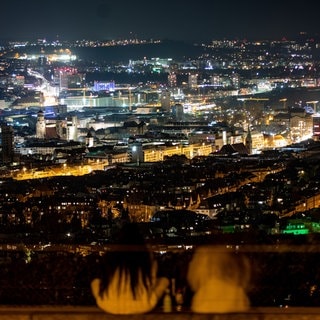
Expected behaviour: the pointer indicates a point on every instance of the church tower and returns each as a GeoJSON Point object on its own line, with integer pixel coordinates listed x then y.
{"type": "Point", "coordinates": [89, 140]}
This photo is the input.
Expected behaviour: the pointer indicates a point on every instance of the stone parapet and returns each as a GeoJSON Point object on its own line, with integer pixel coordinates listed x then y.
{"type": "Point", "coordinates": [93, 313]}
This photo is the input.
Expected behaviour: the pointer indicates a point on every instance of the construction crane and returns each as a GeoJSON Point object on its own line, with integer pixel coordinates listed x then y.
{"type": "Point", "coordinates": [84, 96]}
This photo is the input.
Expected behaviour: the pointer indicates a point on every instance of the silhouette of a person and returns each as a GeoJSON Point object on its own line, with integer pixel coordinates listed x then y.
{"type": "Point", "coordinates": [128, 283]}
{"type": "Point", "coordinates": [218, 280]}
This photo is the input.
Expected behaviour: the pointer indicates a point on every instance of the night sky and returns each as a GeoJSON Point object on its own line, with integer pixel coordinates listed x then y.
{"type": "Point", "coordinates": [200, 20]}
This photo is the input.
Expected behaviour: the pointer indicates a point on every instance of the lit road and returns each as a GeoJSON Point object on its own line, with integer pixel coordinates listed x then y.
{"type": "Point", "coordinates": [306, 204]}
{"type": "Point", "coordinates": [50, 93]}
{"type": "Point", "coordinates": [64, 170]}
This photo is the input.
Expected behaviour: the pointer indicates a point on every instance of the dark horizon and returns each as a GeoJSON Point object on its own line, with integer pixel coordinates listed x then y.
{"type": "Point", "coordinates": [201, 22]}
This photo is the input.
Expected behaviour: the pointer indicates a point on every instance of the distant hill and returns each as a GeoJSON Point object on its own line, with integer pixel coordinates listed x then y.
{"type": "Point", "coordinates": [176, 50]}
{"type": "Point", "coordinates": [166, 49]}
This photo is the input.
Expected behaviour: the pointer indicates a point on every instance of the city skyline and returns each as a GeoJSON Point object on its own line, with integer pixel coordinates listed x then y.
{"type": "Point", "coordinates": [204, 21]}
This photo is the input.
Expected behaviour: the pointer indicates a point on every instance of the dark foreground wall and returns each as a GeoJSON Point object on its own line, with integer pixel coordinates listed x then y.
{"type": "Point", "coordinates": [93, 313]}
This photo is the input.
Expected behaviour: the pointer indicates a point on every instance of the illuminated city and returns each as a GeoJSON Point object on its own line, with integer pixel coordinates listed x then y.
{"type": "Point", "coordinates": [218, 145]}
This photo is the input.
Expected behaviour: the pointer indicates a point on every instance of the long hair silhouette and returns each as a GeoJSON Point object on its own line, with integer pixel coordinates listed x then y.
{"type": "Point", "coordinates": [130, 256]}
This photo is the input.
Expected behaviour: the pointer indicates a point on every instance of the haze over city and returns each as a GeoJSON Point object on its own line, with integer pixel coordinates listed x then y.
{"type": "Point", "coordinates": [203, 20]}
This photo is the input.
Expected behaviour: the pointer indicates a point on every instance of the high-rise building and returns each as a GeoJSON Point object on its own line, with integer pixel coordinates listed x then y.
{"type": "Point", "coordinates": [40, 125]}
{"type": "Point", "coordinates": [65, 76]}
{"type": "Point", "coordinates": [172, 80]}
{"type": "Point", "coordinates": [316, 126]}
{"type": "Point", "coordinates": [136, 153]}
{"type": "Point", "coordinates": [193, 80]}
{"type": "Point", "coordinates": [165, 100]}
{"type": "Point", "coordinates": [235, 79]}
{"type": "Point", "coordinates": [248, 141]}
{"type": "Point", "coordinates": [7, 142]}
{"type": "Point", "coordinates": [177, 111]}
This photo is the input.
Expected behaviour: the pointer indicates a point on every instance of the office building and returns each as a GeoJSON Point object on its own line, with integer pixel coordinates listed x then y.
{"type": "Point", "coordinates": [7, 139]}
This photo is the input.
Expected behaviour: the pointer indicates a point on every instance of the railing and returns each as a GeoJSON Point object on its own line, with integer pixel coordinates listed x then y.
{"type": "Point", "coordinates": [285, 280]}
{"type": "Point", "coordinates": [93, 313]}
